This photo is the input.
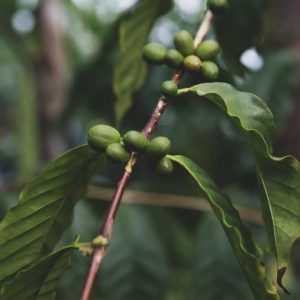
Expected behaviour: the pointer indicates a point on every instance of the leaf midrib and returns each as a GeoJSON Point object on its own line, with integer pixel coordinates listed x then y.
{"type": "Point", "coordinates": [77, 178]}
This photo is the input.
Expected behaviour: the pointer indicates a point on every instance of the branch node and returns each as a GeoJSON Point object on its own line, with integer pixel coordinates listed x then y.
{"type": "Point", "coordinates": [128, 168]}
{"type": "Point", "coordinates": [100, 241]}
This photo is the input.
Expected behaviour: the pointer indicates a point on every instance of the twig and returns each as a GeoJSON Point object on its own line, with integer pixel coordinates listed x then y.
{"type": "Point", "coordinates": [204, 28]}
{"type": "Point", "coordinates": [169, 200]}
{"type": "Point", "coordinates": [155, 199]}
{"type": "Point", "coordinates": [106, 229]}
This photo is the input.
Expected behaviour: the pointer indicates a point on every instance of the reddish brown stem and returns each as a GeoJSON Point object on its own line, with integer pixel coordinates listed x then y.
{"type": "Point", "coordinates": [106, 229]}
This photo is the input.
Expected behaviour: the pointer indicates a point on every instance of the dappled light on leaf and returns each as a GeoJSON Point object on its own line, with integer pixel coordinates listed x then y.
{"type": "Point", "coordinates": [279, 176]}
{"type": "Point", "coordinates": [246, 251]}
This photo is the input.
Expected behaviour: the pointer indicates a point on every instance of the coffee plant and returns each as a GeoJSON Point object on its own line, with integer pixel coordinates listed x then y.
{"type": "Point", "coordinates": [31, 264]}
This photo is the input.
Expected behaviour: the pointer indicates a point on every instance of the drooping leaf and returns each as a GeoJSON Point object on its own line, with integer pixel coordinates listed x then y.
{"type": "Point", "coordinates": [280, 182]}
{"type": "Point", "coordinates": [40, 280]}
{"type": "Point", "coordinates": [279, 176]}
{"type": "Point", "coordinates": [247, 252]}
{"type": "Point", "coordinates": [135, 266]}
{"type": "Point", "coordinates": [213, 262]}
{"type": "Point", "coordinates": [240, 27]}
{"type": "Point", "coordinates": [130, 70]}
{"type": "Point", "coordinates": [31, 229]}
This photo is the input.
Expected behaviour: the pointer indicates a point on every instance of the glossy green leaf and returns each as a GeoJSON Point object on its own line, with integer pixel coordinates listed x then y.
{"type": "Point", "coordinates": [247, 252]}
{"type": "Point", "coordinates": [31, 229]}
{"type": "Point", "coordinates": [39, 281]}
{"type": "Point", "coordinates": [279, 177]}
{"type": "Point", "coordinates": [130, 70]}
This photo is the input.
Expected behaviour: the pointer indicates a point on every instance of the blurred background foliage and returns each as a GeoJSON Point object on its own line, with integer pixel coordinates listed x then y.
{"type": "Point", "coordinates": [56, 68]}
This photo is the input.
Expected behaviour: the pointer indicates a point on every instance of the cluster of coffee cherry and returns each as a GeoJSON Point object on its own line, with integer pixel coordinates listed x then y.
{"type": "Point", "coordinates": [186, 55]}
{"type": "Point", "coordinates": [106, 139]}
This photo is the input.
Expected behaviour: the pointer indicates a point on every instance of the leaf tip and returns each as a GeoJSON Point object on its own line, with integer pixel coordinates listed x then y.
{"type": "Point", "coordinates": [280, 274]}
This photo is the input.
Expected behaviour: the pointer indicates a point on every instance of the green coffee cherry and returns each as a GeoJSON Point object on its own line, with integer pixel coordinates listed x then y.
{"type": "Point", "coordinates": [117, 153]}
{"type": "Point", "coordinates": [192, 63]}
{"type": "Point", "coordinates": [208, 50]}
{"type": "Point", "coordinates": [164, 166]}
{"type": "Point", "coordinates": [135, 141]}
{"type": "Point", "coordinates": [100, 136]}
{"type": "Point", "coordinates": [210, 70]}
{"type": "Point", "coordinates": [217, 6]}
{"type": "Point", "coordinates": [174, 58]}
{"type": "Point", "coordinates": [154, 53]}
{"type": "Point", "coordinates": [169, 88]}
{"type": "Point", "coordinates": [158, 147]}
{"type": "Point", "coordinates": [184, 43]}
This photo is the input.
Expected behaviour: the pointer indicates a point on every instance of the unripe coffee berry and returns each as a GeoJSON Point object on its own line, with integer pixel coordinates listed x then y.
{"type": "Point", "coordinates": [100, 136]}
{"type": "Point", "coordinates": [135, 141]}
{"type": "Point", "coordinates": [210, 70]}
{"type": "Point", "coordinates": [158, 147]}
{"type": "Point", "coordinates": [117, 153]}
{"type": "Point", "coordinates": [192, 63]}
{"type": "Point", "coordinates": [184, 43]}
{"type": "Point", "coordinates": [154, 53]}
{"type": "Point", "coordinates": [174, 58]}
{"type": "Point", "coordinates": [217, 6]}
{"type": "Point", "coordinates": [164, 166]}
{"type": "Point", "coordinates": [208, 50]}
{"type": "Point", "coordinates": [169, 88]}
